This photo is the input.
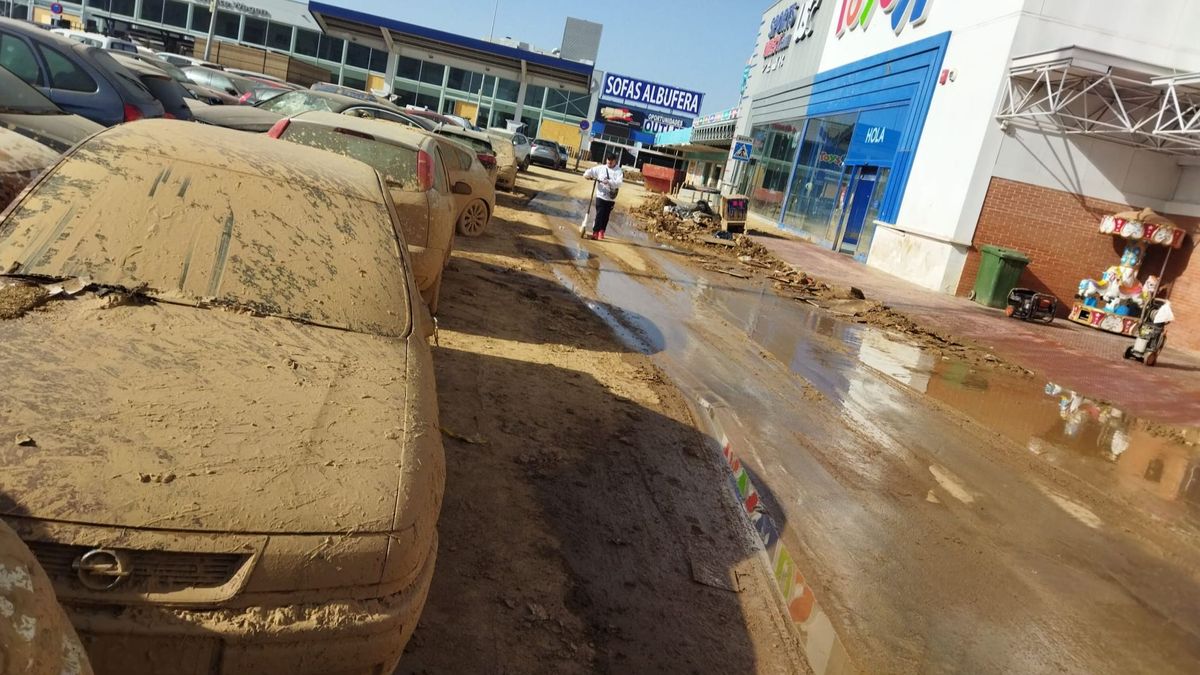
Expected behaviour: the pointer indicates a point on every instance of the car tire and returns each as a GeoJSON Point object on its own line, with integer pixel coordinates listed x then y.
{"type": "Point", "coordinates": [473, 219]}
{"type": "Point", "coordinates": [525, 165]}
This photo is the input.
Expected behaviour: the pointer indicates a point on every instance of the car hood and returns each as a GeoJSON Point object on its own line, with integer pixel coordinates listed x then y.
{"type": "Point", "coordinates": [240, 117]}
{"type": "Point", "coordinates": [57, 132]}
{"type": "Point", "coordinates": [168, 416]}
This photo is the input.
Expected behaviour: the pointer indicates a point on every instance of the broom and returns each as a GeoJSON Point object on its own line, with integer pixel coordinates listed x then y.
{"type": "Point", "coordinates": [583, 225]}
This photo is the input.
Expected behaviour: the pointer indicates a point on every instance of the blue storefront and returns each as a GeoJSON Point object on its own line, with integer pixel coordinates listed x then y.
{"type": "Point", "coordinates": [833, 153]}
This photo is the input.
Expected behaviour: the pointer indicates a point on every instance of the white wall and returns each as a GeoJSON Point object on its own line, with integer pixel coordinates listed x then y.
{"type": "Point", "coordinates": [929, 263]}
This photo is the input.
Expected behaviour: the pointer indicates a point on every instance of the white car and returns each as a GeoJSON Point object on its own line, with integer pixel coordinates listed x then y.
{"type": "Point", "coordinates": [520, 143]}
{"type": "Point", "coordinates": [98, 40]}
{"type": "Point", "coordinates": [186, 61]}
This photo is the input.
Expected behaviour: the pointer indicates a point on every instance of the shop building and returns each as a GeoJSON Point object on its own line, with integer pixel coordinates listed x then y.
{"type": "Point", "coordinates": [909, 133]}
{"type": "Point", "coordinates": [492, 82]}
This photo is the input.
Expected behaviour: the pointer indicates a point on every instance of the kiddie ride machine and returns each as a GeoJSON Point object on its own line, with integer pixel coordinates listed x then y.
{"type": "Point", "coordinates": [1118, 302]}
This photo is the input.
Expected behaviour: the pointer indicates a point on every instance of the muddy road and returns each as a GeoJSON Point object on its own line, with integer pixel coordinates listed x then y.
{"type": "Point", "coordinates": [587, 525]}
{"type": "Point", "coordinates": [920, 514]}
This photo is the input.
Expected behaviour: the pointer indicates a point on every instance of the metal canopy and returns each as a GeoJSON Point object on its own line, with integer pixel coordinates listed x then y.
{"type": "Point", "coordinates": [1084, 92]}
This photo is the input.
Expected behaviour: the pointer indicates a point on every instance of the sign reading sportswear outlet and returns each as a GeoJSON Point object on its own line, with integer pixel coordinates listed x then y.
{"type": "Point", "coordinates": [640, 92]}
{"type": "Point", "coordinates": [855, 14]}
{"type": "Point", "coordinates": [797, 17]}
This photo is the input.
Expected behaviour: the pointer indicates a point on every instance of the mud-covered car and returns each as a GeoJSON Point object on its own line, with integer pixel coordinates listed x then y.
{"type": "Point", "coordinates": [21, 160]}
{"type": "Point", "coordinates": [223, 444]}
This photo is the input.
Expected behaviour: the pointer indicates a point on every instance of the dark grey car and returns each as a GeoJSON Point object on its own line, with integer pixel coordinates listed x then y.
{"type": "Point", "coordinates": [26, 111]}
{"type": "Point", "coordinates": [78, 78]}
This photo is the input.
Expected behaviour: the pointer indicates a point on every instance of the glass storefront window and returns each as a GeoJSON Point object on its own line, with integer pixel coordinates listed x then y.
{"type": "Point", "coordinates": [531, 126]}
{"type": "Point", "coordinates": [507, 90]}
{"type": "Point", "coordinates": [814, 206]}
{"type": "Point", "coordinates": [409, 69]}
{"type": "Point", "coordinates": [358, 56]}
{"type": "Point", "coordinates": [152, 10]}
{"type": "Point", "coordinates": [125, 7]}
{"type": "Point", "coordinates": [228, 24]}
{"type": "Point", "coordinates": [200, 18]}
{"type": "Point", "coordinates": [354, 82]}
{"type": "Point", "coordinates": [464, 80]}
{"type": "Point", "coordinates": [774, 151]}
{"type": "Point", "coordinates": [535, 95]}
{"type": "Point", "coordinates": [433, 73]}
{"type": "Point", "coordinates": [330, 49]}
{"type": "Point", "coordinates": [255, 31]}
{"type": "Point", "coordinates": [279, 36]}
{"type": "Point", "coordinates": [175, 14]}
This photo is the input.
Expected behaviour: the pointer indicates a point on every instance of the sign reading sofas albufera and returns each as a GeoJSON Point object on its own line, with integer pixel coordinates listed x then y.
{"type": "Point", "coordinates": [637, 92]}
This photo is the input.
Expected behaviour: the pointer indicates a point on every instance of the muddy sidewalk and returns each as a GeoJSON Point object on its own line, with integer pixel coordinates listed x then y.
{"type": "Point", "coordinates": [587, 525]}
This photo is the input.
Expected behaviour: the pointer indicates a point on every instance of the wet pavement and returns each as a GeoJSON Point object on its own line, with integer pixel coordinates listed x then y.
{"type": "Point", "coordinates": [946, 518]}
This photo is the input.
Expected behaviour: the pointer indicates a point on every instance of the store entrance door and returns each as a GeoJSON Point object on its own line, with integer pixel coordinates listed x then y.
{"type": "Point", "coordinates": [862, 188]}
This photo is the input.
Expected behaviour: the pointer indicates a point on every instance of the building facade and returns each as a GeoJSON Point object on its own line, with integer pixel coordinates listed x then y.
{"type": "Point", "coordinates": [911, 133]}
{"type": "Point", "coordinates": [447, 73]}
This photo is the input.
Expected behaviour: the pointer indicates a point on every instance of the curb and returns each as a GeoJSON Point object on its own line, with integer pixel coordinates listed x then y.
{"type": "Point", "coordinates": [823, 648]}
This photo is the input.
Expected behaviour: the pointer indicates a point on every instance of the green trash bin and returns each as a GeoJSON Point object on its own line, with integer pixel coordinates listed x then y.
{"type": "Point", "coordinates": [999, 271]}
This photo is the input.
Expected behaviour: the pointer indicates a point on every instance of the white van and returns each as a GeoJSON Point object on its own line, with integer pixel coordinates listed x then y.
{"type": "Point", "coordinates": [98, 40]}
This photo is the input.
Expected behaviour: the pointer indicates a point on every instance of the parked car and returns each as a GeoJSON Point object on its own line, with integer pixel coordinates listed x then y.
{"type": "Point", "coordinates": [262, 116]}
{"type": "Point", "coordinates": [171, 94]}
{"type": "Point", "coordinates": [200, 92]}
{"type": "Point", "coordinates": [546, 153]}
{"type": "Point", "coordinates": [21, 160]}
{"type": "Point", "coordinates": [566, 154]}
{"type": "Point", "coordinates": [474, 207]}
{"type": "Point", "coordinates": [439, 118]}
{"type": "Point", "coordinates": [186, 61]}
{"type": "Point", "coordinates": [416, 171]}
{"type": "Point", "coordinates": [185, 490]}
{"type": "Point", "coordinates": [520, 143]}
{"type": "Point", "coordinates": [245, 89]}
{"type": "Point", "coordinates": [26, 111]}
{"type": "Point", "coordinates": [79, 78]}
{"type": "Point", "coordinates": [283, 84]}
{"type": "Point", "coordinates": [98, 40]}
{"type": "Point", "coordinates": [479, 143]}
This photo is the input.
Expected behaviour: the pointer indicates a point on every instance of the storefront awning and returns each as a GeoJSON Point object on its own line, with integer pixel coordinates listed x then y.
{"type": "Point", "coordinates": [1080, 91]}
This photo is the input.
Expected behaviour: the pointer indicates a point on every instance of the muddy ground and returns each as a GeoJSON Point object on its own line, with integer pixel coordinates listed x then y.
{"type": "Point", "coordinates": [587, 525]}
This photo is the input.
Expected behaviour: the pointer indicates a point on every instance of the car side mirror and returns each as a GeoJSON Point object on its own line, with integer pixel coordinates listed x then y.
{"type": "Point", "coordinates": [461, 188]}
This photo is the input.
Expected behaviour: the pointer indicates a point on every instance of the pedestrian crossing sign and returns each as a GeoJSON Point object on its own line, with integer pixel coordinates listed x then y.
{"type": "Point", "coordinates": [742, 150]}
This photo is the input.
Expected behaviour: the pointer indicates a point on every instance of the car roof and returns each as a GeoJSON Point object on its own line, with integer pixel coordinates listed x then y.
{"type": "Point", "coordinates": [138, 66]}
{"type": "Point", "coordinates": [459, 131]}
{"type": "Point", "coordinates": [388, 131]}
{"type": "Point", "coordinates": [37, 34]}
{"type": "Point", "coordinates": [235, 151]}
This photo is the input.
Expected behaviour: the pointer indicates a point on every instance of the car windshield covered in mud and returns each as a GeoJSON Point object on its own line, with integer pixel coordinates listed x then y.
{"type": "Point", "coordinates": [214, 224]}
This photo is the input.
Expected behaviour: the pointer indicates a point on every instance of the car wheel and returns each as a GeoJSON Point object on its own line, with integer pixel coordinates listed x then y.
{"type": "Point", "coordinates": [525, 165]}
{"type": "Point", "coordinates": [473, 219]}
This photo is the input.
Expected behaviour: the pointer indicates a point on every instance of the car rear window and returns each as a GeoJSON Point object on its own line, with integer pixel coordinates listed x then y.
{"type": "Point", "coordinates": [170, 93]}
{"type": "Point", "coordinates": [131, 89]}
{"type": "Point", "coordinates": [196, 234]}
{"type": "Point", "coordinates": [478, 144]}
{"type": "Point", "coordinates": [296, 102]}
{"type": "Point", "coordinates": [397, 164]}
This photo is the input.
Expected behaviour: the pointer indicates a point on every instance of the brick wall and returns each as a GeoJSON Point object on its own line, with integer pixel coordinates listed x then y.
{"type": "Point", "coordinates": [1060, 232]}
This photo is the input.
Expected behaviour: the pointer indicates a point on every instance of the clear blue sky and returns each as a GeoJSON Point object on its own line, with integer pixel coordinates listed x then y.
{"type": "Point", "coordinates": [701, 45]}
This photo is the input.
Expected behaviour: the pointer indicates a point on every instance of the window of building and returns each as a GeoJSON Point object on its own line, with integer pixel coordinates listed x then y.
{"type": "Point", "coordinates": [507, 90]}
{"type": "Point", "coordinates": [464, 80]}
{"type": "Point", "coordinates": [228, 24]}
{"type": "Point", "coordinates": [816, 185]}
{"type": "Point", "coordinates": [307, 42]}
{"type": "Point", "coordinates": [482, 116]}
{"type": "Point", "coordinates": [358, 56]}
{"type": "Point", "coordinates": [531, 126]}
{"type": "Point", "coordinates": [354, 81]}
{"type": "Point", "coordinates": [255, 31]}
{"type": "Point", "coordinates": [16, 56]}
{"type": "Point", "coordinates": [774, 151]}
{"type": "Point", "coordinates": [535, 95]}
{"type": "Point", "coordinates": [489, 85]}
{"type": "Point", "coordinates": [433, 73]}
{"type": "Point", "coordinates": [279, 36]}
{"type": "Point", "coordinates": [175, 14]}
{"type": "Point", "coordinates": [200, 19]}
{"type": "Point", "coordinates": [152, 10]}
{"type": "Point", "coordinates": [331, 49]}
{"type": "Point", "coordinates": [379, 59]}
{"type": "Point", "coordinates": [125, 7]}
{"type": "Point", "coordinates": [64, 74]}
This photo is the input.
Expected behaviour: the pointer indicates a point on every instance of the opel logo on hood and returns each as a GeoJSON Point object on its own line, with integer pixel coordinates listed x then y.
{"type": "Point", "coordinates": [103, 569]}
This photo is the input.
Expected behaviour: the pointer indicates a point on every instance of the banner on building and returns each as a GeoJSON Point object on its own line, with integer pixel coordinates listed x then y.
{"type": "Point", "coordinates": [640, 93]}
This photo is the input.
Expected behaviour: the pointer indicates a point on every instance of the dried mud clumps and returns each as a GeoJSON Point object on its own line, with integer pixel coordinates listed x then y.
{"type": "Point", "coordinates": [17, 299]}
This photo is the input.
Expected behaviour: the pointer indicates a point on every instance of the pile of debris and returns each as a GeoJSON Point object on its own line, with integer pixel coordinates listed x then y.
{"type": "Point", "coordinates": [657, 216]}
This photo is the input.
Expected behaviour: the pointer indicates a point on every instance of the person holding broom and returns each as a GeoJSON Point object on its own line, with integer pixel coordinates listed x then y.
{"type": "Point", "coordinates": [608, 177]}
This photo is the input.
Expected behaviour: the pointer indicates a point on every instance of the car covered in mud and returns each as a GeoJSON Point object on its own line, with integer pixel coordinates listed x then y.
{"type": "Point", "coordinates": [223, 442]}
{"type": "Point", "coordinates": [21, 160]}
{"type": "Point", "coordinates": [418, 174]}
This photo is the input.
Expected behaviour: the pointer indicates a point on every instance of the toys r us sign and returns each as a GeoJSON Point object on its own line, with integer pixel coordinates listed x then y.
{"type": "Point", "coordinates": [855, 14]}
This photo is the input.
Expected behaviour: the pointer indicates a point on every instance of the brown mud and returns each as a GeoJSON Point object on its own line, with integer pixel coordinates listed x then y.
{"type": "Point", "coordinates": [587, 526]}
{"type": "Point", "coordinates": [752, 260]}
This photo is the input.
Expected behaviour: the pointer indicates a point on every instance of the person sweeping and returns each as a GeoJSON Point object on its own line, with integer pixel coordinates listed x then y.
{"type": "Point", "coordinates": [608, 177]}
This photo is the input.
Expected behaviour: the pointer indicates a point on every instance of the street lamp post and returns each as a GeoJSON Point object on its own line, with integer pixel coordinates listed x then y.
{"type": "Point", "coordinates": [212, 29]}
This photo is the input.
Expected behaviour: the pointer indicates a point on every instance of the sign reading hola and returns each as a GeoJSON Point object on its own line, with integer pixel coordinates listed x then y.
{"type": "Point", "coordinates": [858, 13]}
